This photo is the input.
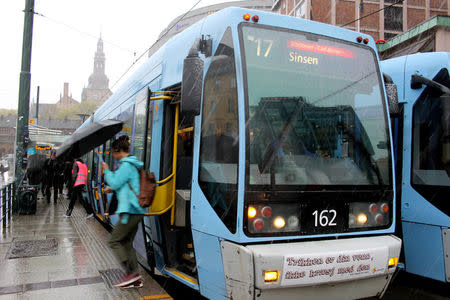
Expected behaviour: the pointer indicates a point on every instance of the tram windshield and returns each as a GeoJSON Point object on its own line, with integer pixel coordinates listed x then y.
{"type": "Point", "coordinates": [315, 111]}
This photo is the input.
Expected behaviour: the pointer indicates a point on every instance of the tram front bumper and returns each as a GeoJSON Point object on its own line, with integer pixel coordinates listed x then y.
{"type": "Point", "coordinates": [338, 269]}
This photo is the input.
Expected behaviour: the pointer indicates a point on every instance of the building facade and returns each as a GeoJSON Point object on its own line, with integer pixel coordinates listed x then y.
{"type": "Point", "coordinates": [98, 83]}
{"type": "Point", "coordinates": [432, 35]}
{"type": "Point", "coordinates": [48, 110]}
{"type": "Point", "coordinates": [382, 19]}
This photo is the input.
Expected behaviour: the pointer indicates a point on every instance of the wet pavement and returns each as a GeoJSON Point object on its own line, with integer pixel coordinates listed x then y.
{"type": "Point", "coordinates": [48, 256]}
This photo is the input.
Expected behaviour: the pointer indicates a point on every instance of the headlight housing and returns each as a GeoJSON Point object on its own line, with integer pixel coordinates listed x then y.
{"type": "Point", "coordinates": [369, 214]}
{"type": "Point", "coordinates": [272, 218]}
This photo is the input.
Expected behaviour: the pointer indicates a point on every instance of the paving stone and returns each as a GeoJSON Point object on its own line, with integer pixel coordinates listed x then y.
{"type": "Point", "coordinates": [37, 286]}
{"type": "Point", "coordinates": [11, 289]}
{"type": "Point", "coordinates": [33, 248]}
{"type": "Point", "coordinates": [63, 283]}
{"type": "Point", "coordinates": [89, 280]}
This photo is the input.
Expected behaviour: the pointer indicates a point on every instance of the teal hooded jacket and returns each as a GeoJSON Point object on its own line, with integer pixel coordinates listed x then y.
{"type": "Point", "coordinates": [118, 180]}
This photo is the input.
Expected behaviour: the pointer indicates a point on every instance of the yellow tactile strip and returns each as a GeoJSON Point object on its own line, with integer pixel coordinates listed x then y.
{"type": "Point", "coordinates": [157, 297]}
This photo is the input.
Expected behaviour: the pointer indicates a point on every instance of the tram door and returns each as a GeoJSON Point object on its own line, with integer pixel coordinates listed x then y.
{"type": "Point", "coordinates": [141, 148]}
{"type": "Point", "coordinates": [96, 181]}
{"type": "Point", "coordinates": [176, 244]}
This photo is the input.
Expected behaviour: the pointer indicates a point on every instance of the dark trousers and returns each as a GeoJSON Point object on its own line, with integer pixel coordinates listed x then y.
{"type": "Point", "coordinates": [77, 193]}
{"type": "Point", "coordinates": [48, 193]}
{"type": "Point", "coordinates": [121, 242]}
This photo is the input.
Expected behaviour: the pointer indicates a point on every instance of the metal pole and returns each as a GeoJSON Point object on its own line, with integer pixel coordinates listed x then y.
{"type": "Point", "coordinates": [24, 88]}
{"type": "Point", "coordinates": [8, 203]}
{"type": "Point", "coordinates": [37, 105]}
{"type": "Point", "coordinates": [4, 206]}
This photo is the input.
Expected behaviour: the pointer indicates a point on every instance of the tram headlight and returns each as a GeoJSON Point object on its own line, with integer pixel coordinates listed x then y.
{"type": "Point", "coordinates": [361, 219]}
{"type": "Point", "coordinates": [251, 212]}
{"type": "Point", "coordinates": [279, 222]}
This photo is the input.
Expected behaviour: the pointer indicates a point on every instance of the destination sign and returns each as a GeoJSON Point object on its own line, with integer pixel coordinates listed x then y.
{"type": "Point", "coordinates": [319, 48]}
{"type": "Point", "coordinates": [333, 266]}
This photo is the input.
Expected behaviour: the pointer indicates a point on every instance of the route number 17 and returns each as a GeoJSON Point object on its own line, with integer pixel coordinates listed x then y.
{"type": "Point", "coordinates": [263, 46]}
{"type": "Point", "coordinates": [325, 217]}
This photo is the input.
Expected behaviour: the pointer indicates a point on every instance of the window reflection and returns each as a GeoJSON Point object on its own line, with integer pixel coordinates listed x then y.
{"type": "Point", "coordinates": [219, 140]}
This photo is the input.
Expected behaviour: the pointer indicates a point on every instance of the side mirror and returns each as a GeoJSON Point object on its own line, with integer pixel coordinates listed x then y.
{"type": "Point", "coordinates": [418, 80]}
{"type": "Point", "coordinates": [391, 91]}
{"type": "Point", "coordinates": [191, 87]}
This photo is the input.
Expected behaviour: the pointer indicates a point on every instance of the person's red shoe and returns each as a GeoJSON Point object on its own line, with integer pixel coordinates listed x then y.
{"type": "Point", "coordinates": [128, 279]}
{"type": "Point", "coordinates": [137, 284]}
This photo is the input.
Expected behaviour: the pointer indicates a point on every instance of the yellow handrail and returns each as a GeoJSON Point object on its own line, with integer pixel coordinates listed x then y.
{"type": "Point", "coordinates": [184, 130]}
{"type": "Point", "coordinates": [166, 179]}
{"type": "Point", "coordinates": [161, 98]}
{"type": "Point", "coordinates": [168, 92]}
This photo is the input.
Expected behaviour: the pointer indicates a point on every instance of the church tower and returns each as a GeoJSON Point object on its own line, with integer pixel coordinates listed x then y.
{"type": "Point", "coordinates": [98, 84]}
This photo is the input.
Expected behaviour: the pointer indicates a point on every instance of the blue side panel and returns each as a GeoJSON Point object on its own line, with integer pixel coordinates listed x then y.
{"type": "Point", "coordinates": [211, 276]}
{"type": "Point", "coordinates": [417, 209]}
{"type": "Point", "coordinates": [423, 250]}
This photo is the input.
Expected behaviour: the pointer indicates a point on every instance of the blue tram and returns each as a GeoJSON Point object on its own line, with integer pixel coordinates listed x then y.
{"type": "Point", "coordinates": [270, 141]}
{"type": "Point", "coordinates": [422, 146]}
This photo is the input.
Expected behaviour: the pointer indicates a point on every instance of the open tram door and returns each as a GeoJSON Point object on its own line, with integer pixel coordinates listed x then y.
{"type": "Point", "coordinates": [166, 150]}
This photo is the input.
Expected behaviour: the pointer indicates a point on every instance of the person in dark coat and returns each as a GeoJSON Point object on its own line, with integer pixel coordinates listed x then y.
{"type": "Point", "coordinates": [52, 169]}
{"type": "Point", "coordinates": [68, 177]}
{"type": "Point", "coordinates": [34, 169]}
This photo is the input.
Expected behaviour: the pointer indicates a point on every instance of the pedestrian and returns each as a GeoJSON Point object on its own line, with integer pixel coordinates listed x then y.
{"type": "Point", "coordinates": [52, 173]}
{"type": "Point", "coordinates": [80, 179]}
{"type": "Point", "coordinates": [68, 166]}
{"type": "Point", "coordinates": [125, 177]}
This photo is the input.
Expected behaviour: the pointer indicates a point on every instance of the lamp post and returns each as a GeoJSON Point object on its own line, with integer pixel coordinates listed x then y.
{"type": "Point", "coordinates": [24, 92]}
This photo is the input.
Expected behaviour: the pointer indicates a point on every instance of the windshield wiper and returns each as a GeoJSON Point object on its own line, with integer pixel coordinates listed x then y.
{"type": "Point", "coordinates": [271, 151]}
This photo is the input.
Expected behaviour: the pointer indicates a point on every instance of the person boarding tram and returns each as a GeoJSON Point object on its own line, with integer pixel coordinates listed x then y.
{"type": "Point", "coordinates": [123, 181]}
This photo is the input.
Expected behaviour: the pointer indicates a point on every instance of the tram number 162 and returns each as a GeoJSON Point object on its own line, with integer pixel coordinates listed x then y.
{"type": "Point", "coordinates": [325, 217]}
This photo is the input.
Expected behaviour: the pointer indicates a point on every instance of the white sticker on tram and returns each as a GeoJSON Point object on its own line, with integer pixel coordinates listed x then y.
{"type": "Point", "coordinates": [309, 269]}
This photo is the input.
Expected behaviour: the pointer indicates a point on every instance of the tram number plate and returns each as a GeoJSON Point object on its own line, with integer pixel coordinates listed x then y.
{"type": "Point", "coordinates": [323, 218]}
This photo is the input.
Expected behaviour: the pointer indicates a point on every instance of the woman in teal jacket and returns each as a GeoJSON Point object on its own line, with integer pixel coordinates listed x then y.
{"type": "Point", "coordinates": [131, 213]}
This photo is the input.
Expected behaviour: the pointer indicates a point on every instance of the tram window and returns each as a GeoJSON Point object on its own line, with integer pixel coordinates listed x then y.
{"type": "Point", "coordinates": [89, 163]}
{"type": "Point", "coordinates": [219, 138]}
{"type": "Point", "coordinates": [127, 117]}
{"type": "Point", "coordinates": [94, 166]}
{"type": "Point", "coordinates": [431, 139]}
{"type": "Point", "coordinates": [108, 155]}
{"type": "Point", "coordinates": [139, 128]}
{"type": "Point", "coordinates": [149, 136]}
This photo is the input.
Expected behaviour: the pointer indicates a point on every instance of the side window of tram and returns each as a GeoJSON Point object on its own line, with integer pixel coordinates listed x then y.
{"type": "Point", "coordinates": [139, 130]}
{"type": "Point", "coordinates": [431, 140]}
{"type": "Point", "coordinates": [219, 137]}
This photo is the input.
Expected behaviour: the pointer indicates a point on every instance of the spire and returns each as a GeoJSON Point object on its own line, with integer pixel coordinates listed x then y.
{"type": "Point", "coordinates": [98, 83]}
{"type": "Point", "coordinates": [98, 79]}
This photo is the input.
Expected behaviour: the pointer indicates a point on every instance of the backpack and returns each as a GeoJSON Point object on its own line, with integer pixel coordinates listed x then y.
{"type": "Point", "coordinates": [147, 187]}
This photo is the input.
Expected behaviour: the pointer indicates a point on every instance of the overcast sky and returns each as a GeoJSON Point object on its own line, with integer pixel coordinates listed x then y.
{"type": "Point", "coordinates": [65, 41]}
